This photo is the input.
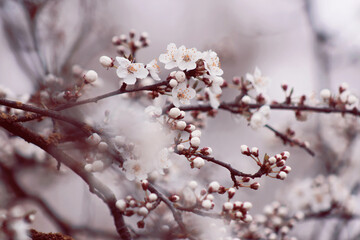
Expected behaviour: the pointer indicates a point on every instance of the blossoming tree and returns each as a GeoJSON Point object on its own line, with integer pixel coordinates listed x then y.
{"type": "Point", "coordinates": [132, 151]}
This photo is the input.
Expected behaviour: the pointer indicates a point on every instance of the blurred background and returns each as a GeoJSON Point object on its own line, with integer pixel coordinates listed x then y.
{"type": "Point", "coordinates": [308, 44]}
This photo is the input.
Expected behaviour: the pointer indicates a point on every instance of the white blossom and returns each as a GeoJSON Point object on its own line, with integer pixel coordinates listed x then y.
{"type": "Point", "coordinates": [214, 101]}
{"type": "Point", "coordinates": [130, 71]}
{"type": "Point", "coordinates": [153, 69]}
{"type": "Point", "coordinates": [259, 118]}
{"type": "Point", "coordinates": [169, 58]}
{"type": "Point", "coordinates": [182, 94]}
{"type": "Point", "coordinates": [259, 82]}
{"type": "Point", "coordinates": [153, 111]}
{"type": "Point", "coordinates": [186, 58]}
{"type": "Point", "coordinates": [212, 63]}
{"type": "Point", "coordinates": [134, 169]}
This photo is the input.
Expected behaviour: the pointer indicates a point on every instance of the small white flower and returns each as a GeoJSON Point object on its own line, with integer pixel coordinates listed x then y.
{"type": "Point", "coordinates": [198, 162]}
{"type": "Point", "coordinates": [182, 94]}
{"type": "Point", "coordinates": [186, 58]}
{"type": "Point", "coordinates": [135, 170]}
{"type": "Point", "coordinates": [259, 82]}
{"type": "Point", "coordinates": [153, 111]}
{"type": "Point", "coordinates": [169, 58]}
{"type": "Point", "coordinates": [130, 71]}
{"type": "Point", "coordinates": [163, 160]}
{"type": "Point", "coordinates": [212, 63]}
{"type": "Point", "coordinates": [259, 118]}
{"type": "Point", "coordinates": [216, 83]}
{"type": "Point", "coordinates": [154, 69]}
{"type": "Point", "coordinates": [214, 101]}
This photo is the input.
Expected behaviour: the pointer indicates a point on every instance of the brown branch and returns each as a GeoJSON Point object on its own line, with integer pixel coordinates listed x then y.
{"type": "Point", "coordinates": [111, 94]}
{"type": "Point", "coordinates": [78, 167]}
{"type": "Point", "coordinates": [290, 141]}
{"type": "Point", "coordinates": [44, 112]}
{"type": "Point", "coordinates": [235, 106]}
{"type": "Point", "coordinates": [233, 171]}
{"type": "Point", "coordinates": [176, 214]}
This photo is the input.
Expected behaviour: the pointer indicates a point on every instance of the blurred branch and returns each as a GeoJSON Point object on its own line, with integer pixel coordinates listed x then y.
{"type": "Point", "coordinates": [8, 175]}
{"type": "Point", "coordinates": [291, 142]}
{"type": "Point", "coordinates": [94, 184]}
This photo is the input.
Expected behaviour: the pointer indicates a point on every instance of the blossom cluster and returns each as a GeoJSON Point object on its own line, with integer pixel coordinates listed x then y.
{"type": "Point", "coordinates": [15, 223]}
{"type": "Point", "coordinates": [276, 222]}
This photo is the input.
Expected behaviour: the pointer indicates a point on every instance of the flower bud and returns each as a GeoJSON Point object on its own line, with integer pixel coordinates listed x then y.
{"type": "Point", "coordinates": [121, 204]}
{"type": "Point", "coordinates": [174, 198]}
{"type": "Point", "coordinates": [195, 142]}
{"type": "Point", "coordinates": [174, 112]}
{"type": "Point", "coordinates": [198, 162]}
{"type": "Point", "coordinates": [214, 187]}
{"type": "Point", "coordinates": [245, 150]}
{"type": "Point", "coordinates": [180, 76]}
{"type": "Point", "coordinates": [153, 197]}
{"type": "Point", "coordinates": [281, 175]}
{"type": "Point", "coordinates": [228, 206]}
{"type": "Point", "coordinates": [207, 204]}
{"type": "Point", "coordinates": [231, 192]}
{"type": "Point", "coordinates": [91, 76]}
{"type": "Point", "coordinates": [255, 186]}
{"type": "Point", "coordinates": [106, 62]}
{"type": "Point", "coordinates": [180, 125]}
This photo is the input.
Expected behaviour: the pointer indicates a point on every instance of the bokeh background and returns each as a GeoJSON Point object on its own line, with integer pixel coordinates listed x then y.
{"type": "Point", "coordinates": [308, 44]}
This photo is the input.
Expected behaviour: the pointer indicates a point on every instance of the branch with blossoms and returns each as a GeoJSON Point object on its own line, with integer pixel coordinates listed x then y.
{"type": "Point", "coordinates": [143, 148]}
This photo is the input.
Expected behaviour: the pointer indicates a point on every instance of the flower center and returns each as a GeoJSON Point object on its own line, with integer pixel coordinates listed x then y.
{"type": "Point", "coordinates": [187, 58]}
{"type": "Point", "coordinates": [131, 69]}
{"type": "Point", "coordinates": [136, 168]}
{"type": "Point", "coordinates": [183, 94]}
